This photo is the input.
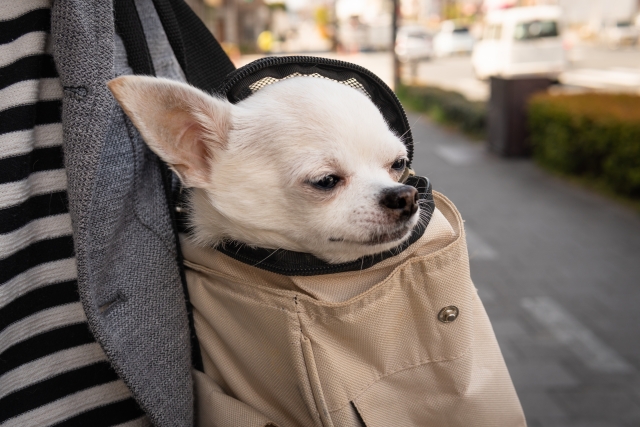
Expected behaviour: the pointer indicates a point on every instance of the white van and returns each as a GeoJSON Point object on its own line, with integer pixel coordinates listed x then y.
{"type": "Point", "coordinates": [522, 41]}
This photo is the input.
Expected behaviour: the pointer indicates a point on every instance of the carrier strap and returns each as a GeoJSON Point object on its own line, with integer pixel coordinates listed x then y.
{"type": "Point", "coordinates": [201, 57]}
{"type": "Point", "coordinates": [129, 28]}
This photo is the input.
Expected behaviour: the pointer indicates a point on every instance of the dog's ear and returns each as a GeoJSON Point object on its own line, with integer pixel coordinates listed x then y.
{"type": "Point", "coordinates": [181, 124]}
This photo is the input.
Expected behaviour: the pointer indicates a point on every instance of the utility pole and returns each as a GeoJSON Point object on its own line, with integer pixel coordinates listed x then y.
{"type": "Point", "coordinates": [394, 33]}
{"type": "Point", "coordinates": [334, 26]}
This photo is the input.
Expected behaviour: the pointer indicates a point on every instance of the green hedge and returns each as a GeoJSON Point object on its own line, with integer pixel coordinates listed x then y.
{"type": "Point", "coordinates": [590, 135]}
{"type": "Point", "coordinates": [445, 106]}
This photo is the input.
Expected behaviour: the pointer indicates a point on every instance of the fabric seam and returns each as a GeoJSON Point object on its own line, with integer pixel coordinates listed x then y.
{"type": "Point", "coordinates": [404, 368]}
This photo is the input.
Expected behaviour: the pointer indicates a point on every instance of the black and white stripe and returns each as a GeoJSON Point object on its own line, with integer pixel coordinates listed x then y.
{"type": "Point", "coordinates": [52, 372]}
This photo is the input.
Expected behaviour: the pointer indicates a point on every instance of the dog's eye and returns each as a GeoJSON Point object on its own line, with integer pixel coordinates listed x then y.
{"type": "Point", "coordinates": [399, 164]}
{"type": "Point", "coordinates": [327, 182]}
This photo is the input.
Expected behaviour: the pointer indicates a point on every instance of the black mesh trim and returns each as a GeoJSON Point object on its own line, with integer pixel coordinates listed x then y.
{"type": "Point", "coordinates": [290, 263]}
{"type": "Point", "coordinates": [238, 85]}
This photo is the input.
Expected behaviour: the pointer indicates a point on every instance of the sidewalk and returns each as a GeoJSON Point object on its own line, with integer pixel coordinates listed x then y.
{"type": "Point", "coordinates": [558, 269]}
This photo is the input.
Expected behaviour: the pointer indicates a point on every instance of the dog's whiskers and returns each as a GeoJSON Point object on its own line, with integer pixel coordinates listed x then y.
{"type": "Point", "coordinates": [361, 268]}
{"type": "Point", "coordinates": [267, 257]}
{"type": "Point", "coordinates": [407, 131]}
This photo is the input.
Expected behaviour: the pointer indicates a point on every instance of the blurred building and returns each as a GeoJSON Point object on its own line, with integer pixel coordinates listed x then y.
{"type": "Point", "coordinates": [303, 26]}
{"type": "Point", "coordinates": [234, 23]}
{"type": "Point", "coordinates": [281, 25]}
{"type": "Point", "coordinates": [364, 25]}
{"type": "Point", "coordinates": [430, 10]}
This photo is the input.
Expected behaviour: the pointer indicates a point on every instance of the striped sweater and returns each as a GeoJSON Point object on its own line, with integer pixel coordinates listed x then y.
{"type": "Point", "coordinates": [52, 371]}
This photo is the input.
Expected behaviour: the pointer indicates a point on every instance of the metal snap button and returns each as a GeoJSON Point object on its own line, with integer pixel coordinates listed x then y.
{"type": "Point", "coordinates": [448, 314]}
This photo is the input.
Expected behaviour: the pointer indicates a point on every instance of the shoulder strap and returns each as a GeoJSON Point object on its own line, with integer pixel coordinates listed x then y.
{"type": "Point", "coordinates": [129, 28]}
{"type": "Point", "coordinates": [201, 57]}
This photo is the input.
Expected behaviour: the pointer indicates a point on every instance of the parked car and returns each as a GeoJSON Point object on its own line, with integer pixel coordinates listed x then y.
{"type": "Point", "coordinates": [522, 41]}
{"type": "Point", "coordinates": [621, 33]}
{"type": "Point", "coordinates": [413, 43]}
{"type": "Point", "coordinates": [451, 40]}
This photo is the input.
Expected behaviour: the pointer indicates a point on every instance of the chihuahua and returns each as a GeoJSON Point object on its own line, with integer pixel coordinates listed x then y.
{"type": "Point", "coordinates": [306, 165]}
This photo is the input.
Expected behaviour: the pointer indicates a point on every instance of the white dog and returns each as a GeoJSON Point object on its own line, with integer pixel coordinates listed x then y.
{"type": "Point", "coordinates": [306, 165]}
{"type": "Point", "coordinates": [310, 166]}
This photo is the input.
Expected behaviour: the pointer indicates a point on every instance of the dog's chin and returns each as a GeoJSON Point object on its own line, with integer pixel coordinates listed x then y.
{"type": "Point", "coordinates": [346, 250]}
{"type": "Point", "coordinates": [375, 240]}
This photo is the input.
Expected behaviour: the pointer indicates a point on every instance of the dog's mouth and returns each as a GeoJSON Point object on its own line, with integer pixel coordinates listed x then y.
{"type": "Point", "coordinates": [377, 239]}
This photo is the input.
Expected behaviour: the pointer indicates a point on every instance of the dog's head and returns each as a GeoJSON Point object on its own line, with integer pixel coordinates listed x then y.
{"type": "Point", "coordinates": [305, 164]}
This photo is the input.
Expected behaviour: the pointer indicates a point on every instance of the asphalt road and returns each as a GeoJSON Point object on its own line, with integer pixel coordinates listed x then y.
{"type": "Point", "coordinates": [558, 269]}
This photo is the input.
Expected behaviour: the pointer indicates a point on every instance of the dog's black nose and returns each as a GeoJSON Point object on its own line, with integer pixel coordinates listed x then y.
{"type": "Point", "coordinates": [402, 200]}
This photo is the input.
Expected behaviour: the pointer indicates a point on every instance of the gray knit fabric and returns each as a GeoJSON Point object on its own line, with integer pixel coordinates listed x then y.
{"type": "Point", "coordinates": [128, 276]}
